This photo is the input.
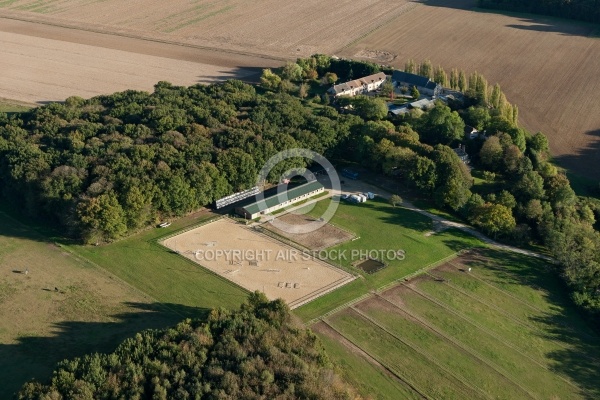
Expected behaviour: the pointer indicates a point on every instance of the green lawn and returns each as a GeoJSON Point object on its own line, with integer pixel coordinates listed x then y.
{"type": "Point", "coordinates": [167, 277]}
{"type": "Point", "coordinates": [379, 226]}
{"type": "Point", "coordinates": [504, 330]}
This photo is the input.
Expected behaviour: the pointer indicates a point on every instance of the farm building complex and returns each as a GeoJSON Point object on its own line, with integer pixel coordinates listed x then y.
{"type": "Point", "coordinates": [280, 200]}
{"type": "Point", "coordinates": [359, 86]}
{"type": "Point", "coordinates": [424, 85]}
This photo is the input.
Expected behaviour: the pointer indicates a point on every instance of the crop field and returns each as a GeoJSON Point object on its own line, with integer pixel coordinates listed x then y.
{"type": "Point", "coordinates": [54, 305]}
{"type": "Point", "coordinates": [258, 262]}
{"type": "Point", "coordinates": [266, 27]}
{"type": "Point", "coordinates": [381, 230]}
{"type": "Point", "coordinates": [501, 330]}
{"type": "Point", "coordinates": [37, 70]}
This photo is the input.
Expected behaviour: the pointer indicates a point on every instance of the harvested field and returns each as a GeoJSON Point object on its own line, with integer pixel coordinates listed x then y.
{"type": "Point", "coordinates": [257, 262]}
{"type": "Point", "coordinates": [324, 237]}
{"type": "Point", "coordinates": [267, 27]}
{"type": "Point", "coordinates": [548, 67]}
{"type": "Point", "coordinates": [40, 70]}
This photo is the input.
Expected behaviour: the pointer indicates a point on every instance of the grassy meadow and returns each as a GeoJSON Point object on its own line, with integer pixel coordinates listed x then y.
{"type": "Point", "coordinates": [503, 330]}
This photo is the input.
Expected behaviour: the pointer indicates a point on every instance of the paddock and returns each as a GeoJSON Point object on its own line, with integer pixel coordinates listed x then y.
{"type": "Point", "coordinates": [255, 261]}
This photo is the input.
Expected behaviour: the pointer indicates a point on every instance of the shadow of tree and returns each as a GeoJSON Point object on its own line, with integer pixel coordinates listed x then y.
{"type": "Point", "coordinates": [586, 159]}
{"type": "Point", "coordinates": [36, 356]}
{"type": "Point", "coordinates": [579, 356]}
{"type": "Point", "coordinates": [532, 22]}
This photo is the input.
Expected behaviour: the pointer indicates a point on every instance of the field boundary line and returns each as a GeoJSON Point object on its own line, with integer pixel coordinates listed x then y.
{"type": "Point", "coordinates": [281, 238]}
{"type": "Point", "coordinates": [501, 290]}
{"type": "Point", "coordinates": [187, 229]}
{"type": "Point", "coordinates": [517, 298]}
{"type": "Point", "coordinates": [421, 352]}
{"type": "Point", "coordinates": [384, 365]}
{"type": "Point", "coordinates": [191, 262]}
{"type": "Point", "coordinates": [84, 259]}
{"type": "Point", "coordinates": [460, 345]}
{"type": "Point", "coordinates": [339, 308]}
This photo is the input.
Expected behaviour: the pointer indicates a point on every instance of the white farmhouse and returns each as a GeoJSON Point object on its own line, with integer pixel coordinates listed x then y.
{"type": "Point", "coordinates": [359, 86]}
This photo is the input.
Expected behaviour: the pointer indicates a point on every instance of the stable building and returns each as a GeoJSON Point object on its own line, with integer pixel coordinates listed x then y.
{"type": "Point", "coordinates": [280, 200]}
{"type": "Point", "coordinates": [359, 86]}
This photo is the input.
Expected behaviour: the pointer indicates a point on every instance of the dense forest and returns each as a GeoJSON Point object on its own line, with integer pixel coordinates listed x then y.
{"type": "Point", "coordinates": [107, 166]}
{"type": "Point", "coordinates": [583, 10]}
{"type": "Point", "coordinates": [254, 353]}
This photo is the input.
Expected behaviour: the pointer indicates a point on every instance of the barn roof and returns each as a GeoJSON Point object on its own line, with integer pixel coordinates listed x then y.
{"type": "Point", "coordinates": [411, 79]}
{"type": "Point", "coordinates": [282, 197]}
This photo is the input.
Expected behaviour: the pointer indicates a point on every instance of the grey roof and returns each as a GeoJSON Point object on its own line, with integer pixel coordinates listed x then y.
{"type": "Point", "coordinates": [397, 110]}
{"type": "Point", "coordinates": [282, 197]}
{"type": "Point", "coordinates": [411, 79]}
{"type": "Point", "coordinates": [431, 85]}
{"type": "Point", "coordinates": [342, 87]}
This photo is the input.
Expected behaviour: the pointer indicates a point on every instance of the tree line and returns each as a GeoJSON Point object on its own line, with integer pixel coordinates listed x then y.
{"type": "Point", "coordinates": [583, 10]}
{"type": "Point", "coordinates": [256, 352]}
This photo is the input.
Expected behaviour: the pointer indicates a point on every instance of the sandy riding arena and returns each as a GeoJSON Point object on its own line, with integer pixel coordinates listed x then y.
{"type": "Point", "coordinates": [257, 262]}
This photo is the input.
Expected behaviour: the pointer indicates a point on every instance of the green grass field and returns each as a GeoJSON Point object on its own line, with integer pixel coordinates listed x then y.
{"type": "Point", "coordinates": [379, 226]}
{"type": "Point", "coordinates": [504, 330]}
{"type": "Point", "coordinates": [7, 106]}
{"type": "Point", "coordinates": [169, 278]}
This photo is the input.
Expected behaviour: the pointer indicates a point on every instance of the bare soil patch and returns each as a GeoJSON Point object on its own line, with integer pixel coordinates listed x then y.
{"type": "Point", "coordinates": [324, 237]}
{"type": "Point", "coordinates": [377, 56]}
{"type": "Point", "coordinates": [370, 266]}
{"type": "Point", "coordinates": [257, 262]}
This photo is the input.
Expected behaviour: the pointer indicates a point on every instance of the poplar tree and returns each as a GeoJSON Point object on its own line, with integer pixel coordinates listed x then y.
{"type": "Point", "coordinates": [440, 76]}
